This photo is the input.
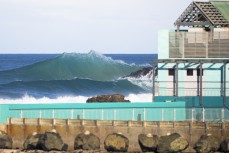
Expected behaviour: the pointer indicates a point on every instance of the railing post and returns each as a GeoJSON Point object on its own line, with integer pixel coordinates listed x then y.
{"type": "Point", "coordinates": [222, 115]}
{"type": "Point", "coordinates": [133, 114]}
{"type": "Point", "coordinates": [21, 113]}
{"type": "Point", "coordinates": [83, 114]}
{"type": "Point", "coordinates": [203, 112]}
{"type": "Point", "coordinates": [72, 114]}
{"type": "Point", "coordinates": [53, 113]}
{"type": "Point", "coordinates": [114, 114]}
{"type": "Point", "coordinates": [174, 114]}
{"type": "Point", "coordinates": [102, 113]}
{"type": "Point", "coordinates": [144, 114]}
{"type": "Point", "coordinates": [193, 111]}
{"type": "Point", "coordinates": [40, 114]}
{"type": "Point", "coordinates": [162, 114]}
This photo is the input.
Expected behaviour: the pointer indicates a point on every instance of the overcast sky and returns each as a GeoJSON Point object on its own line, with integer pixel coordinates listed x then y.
{"type": "Point", "coordinates": [106, 26]}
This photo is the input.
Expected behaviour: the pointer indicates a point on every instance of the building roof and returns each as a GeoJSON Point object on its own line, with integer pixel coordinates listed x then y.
{"type": "Point", "coordinates": [214, 13]}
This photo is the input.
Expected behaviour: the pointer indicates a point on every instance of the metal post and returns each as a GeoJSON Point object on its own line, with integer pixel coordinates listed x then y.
{"type": "Point", "coordinates": [72, 114]}
{"type": "Point", "coordinates": [201, 83]}
{"type": "Point", "coordinates": [162, 114]}
{"type": "Point", "coordinates": [114, 114]}
{"type": "Point", "coordinates": [176, 77]}
{"type": "Point", "coordinates": [133, 114]}
{"type": "Point", "coordinates": [21, 114]}
{"type": "Point", "coordinates": [144, 114]}
{"type": "Point", "coordinates": [102, 114]}
{"type": "Point", "coordinates": [53, 113]}
{"type": "Point", "coordinates": [222, 115]}
{"type": "Point", "coordinates": [154, 67]}
{"type": "Point", "coordinates": [174, 81]}
{"type": "Point", "coordinates": [193, 114]}
{"type": "Point", "coordinates": [174, 114]}
{"type": "Point", "coordinates": [203, 112]}
{"type": "Point", "coordinates": [224, 85]}
{"type": "Point", "coordinates": [40, 114]}
{"type": "Point", "coordinates": [83, 115]}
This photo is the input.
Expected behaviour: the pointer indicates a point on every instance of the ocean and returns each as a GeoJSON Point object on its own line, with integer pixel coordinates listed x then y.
{"type": "Point", "coordinates": [73, 77]}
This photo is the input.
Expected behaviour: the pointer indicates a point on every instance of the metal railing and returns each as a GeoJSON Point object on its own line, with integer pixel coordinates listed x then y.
{"type": "Point", "coordinates": [134, 114]}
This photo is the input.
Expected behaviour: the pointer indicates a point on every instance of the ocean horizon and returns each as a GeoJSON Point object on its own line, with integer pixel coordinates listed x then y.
{"type": "Point", "coordinates": [73, 77]}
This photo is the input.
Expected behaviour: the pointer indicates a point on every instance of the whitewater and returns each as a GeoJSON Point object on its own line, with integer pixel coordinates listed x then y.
{"type": "Point", "coordinates": [73, 77]}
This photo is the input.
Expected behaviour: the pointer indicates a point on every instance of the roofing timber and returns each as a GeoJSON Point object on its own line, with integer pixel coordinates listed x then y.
{"type": "Point", "coordinates": [214, 13]}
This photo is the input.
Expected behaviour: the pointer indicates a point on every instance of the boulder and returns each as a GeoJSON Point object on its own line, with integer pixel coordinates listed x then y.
{"type": "Point", "coordinates": [206, 144]}
{"type": "Point", "coordinates": [172, 143]}
{"type": "Point", "coordinates": [33, 142]}
{"type": "Point", "coordinates": [86, 141]}
{"type": "Point", "coordinates": [5, 141]}
{"type": "Point", "coordinates": [108, 98]}
{"type": "Point", "coordinates": [143, 72]}
{"type": "Point", "coordinates": [52, 141]}
{"type": "Point", "coordinates": [148, 143]}
{"type": "Point", "coordinates": [116, 143]}
{"type": "Point", "coordinates": [224, 146]}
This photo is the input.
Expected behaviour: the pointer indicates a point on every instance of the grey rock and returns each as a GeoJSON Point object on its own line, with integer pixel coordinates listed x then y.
{"type": "Point", "coordinates": [116, 143]}
{"type": "Point", "coordinates": [148, 143]}
{"type": "Point", "coordinates": [172, 143]}
{"type": "Point", "coordinates": [53, 141]}
{"type": "Point", "coordinates": [5, 141]}
{"type": "Point", "coordinates": [86, 142]}
{"type": "Point", "coordinates": [207, 144]}
{"type": "Point", "coordinates": [108, 98]}
{"type": "Point", "coordinates": [33, 142]}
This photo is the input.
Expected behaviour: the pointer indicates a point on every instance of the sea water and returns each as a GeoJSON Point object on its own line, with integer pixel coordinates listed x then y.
{"type": "Point", "coordinates": [72, 77]}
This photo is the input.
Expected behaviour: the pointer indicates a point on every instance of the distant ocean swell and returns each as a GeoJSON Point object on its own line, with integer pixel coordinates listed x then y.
{"type": "Point", "coordinates": [72, 77]}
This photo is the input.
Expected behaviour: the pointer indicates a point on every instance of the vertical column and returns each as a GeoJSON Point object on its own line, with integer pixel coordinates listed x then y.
{"type": "Point", "coordinates": [154, 70]}
{"type": "Point", "coordinates": [176, 79]}
{"type": "Point", "coordinates": [201, 85]}
{"type": "Point", "coordinates": [224, 84]}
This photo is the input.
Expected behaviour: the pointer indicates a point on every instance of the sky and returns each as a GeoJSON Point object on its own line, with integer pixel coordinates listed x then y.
{"type": "Point", "coordinates": [106, 26]}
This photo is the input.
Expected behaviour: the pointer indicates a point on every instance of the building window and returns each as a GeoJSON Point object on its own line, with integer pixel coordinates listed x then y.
{"type": "Point", "coordinates": [171, 72]}
{"type": "Point", "coordinates": [189, 72]}
{"type": "Point", "coordinates": [198, 72]}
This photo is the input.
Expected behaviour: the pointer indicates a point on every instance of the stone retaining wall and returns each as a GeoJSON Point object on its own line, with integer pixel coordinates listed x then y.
{"type": "Point", "coordinates": [19, 129]}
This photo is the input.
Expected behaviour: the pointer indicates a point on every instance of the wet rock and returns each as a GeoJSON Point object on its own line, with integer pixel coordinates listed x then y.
{"type": "Point", "coordinates": [108, 98]}
{"type": "Point", "coordinates": [116, 143]}
{"type": "Point", "coordinates": [5, 141]}
{"type": "Point", "coordinates": [53, 141]}
{"type": "Point", "coordinates": [87, 141]}
{"type": "Point", "coordinates": [33, 142]}
{"type": "Point", "coordinates": [207, 144]}
{"type": "Point", "coordinates": [143, 72]}
{"type": "Point", "coordinates": [172, 143]}
{"type": "Point", "coordinates": [224, 146]}
{"type": "Point", "coordinates": [148, 143]}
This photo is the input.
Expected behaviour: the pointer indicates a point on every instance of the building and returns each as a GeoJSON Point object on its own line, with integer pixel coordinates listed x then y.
{"type": "Point", "coordinates": [192, 63]}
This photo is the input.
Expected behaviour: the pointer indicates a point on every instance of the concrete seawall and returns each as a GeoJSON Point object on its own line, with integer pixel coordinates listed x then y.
{"type": "Point", "coordinates": [19, 129]}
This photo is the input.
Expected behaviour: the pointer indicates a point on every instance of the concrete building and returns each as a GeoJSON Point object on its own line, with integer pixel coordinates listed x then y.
{"type": "Point", "coordinates": [192, 62]}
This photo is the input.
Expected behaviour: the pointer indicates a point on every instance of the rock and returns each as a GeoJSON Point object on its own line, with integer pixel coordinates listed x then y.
{"type": "Point", "coordinates": [108, 98]}
{"type": "Point", "coordinates": [87, 141]}
{"type": "Point", "coordinates": [5, 141]}
{"type": "Point", "coordinates": [116, 143]}
{"type": "Point", "coordinates": [224, 146]}
{"type": "Point", "coordinates": [143, 72]}
{"type": "Point", "coordinates": [52, 141]}
{"type": "Point", "coordinates": [172, 143]}
{"type": "Point", "coordinates": [33, 142]}
{"type": "Point", "coordinates": [148, 143]}
{"type": "Point", "coordinates": [207, 144]}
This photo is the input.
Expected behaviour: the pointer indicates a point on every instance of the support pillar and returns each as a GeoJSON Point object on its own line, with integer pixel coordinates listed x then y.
{"type": "Point", "coordinates": [154, 72]}
{"type": "Point", "coordinates": [224, 84]}
{"type": "Point", "coordinates": [201, 85]}
{"type": "Point", "coordinates": [176, 79]}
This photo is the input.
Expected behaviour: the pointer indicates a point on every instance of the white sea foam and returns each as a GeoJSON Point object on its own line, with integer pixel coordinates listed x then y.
{"type": "Point", "coordinates": [69, 99]}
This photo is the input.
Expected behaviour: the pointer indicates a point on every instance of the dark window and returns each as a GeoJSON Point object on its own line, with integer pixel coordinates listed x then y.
{"type": "Point", "coordinates": [171, 72]}
{"type": "Point", "coordinates": [198, 72]}
{"type": "Point", "coordinates": [189, 72]}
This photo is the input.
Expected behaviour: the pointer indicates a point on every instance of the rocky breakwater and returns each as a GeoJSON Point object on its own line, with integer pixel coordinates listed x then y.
{"type": "Point", "coordinates": [108, 98]}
